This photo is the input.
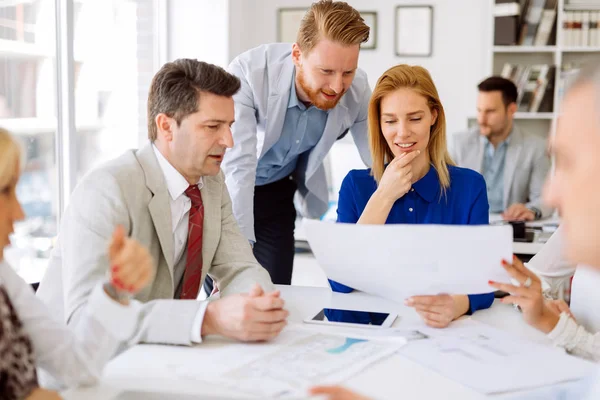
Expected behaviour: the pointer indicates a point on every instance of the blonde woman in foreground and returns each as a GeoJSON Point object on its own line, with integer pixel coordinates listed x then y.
{"type": "Point", "coordinates": [30, 337]}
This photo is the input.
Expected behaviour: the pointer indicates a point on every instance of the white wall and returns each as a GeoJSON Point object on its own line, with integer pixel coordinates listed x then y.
{"type": "Point", "coordinates": [218, 30]}
{"type": "Point", "coordinates": [460, 48]}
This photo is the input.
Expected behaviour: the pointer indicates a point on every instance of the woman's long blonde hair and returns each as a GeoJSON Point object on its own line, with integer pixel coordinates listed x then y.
{"type": "Point", "coordinates": [418, 79]}
{"type": "Point", "coordinates": [10, 155]}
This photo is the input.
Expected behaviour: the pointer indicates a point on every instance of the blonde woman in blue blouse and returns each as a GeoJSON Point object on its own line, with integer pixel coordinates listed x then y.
{"type": "Point", "coordinates": [413, 180]}
{"type": "Point", "coordinates": [573, 189]}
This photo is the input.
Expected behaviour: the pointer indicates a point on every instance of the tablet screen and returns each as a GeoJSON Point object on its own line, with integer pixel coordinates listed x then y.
{"type": "Point", "coordinates": [351, 316]}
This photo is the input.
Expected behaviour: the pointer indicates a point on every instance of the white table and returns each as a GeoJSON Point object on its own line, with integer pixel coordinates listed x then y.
{"type": "Point", "coordinates": [392, 378]}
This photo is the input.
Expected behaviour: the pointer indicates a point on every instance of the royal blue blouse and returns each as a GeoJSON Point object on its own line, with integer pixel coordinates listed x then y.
{"type": "Point", "coordinates": [463, 203]}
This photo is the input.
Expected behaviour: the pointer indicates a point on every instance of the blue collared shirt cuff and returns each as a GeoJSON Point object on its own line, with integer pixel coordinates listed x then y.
{"type": "Point", "coordinates": [480, 302]}
{"type": "Point", "coordinates": [338, 287]}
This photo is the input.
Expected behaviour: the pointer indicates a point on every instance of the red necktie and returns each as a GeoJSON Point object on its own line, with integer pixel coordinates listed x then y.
{"type": "Point", "coordinates": [193, 264]}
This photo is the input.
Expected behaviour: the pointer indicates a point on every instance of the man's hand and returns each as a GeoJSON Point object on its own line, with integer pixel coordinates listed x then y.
{"type": "Point", "coordinates": [518, 212]}
{"type": "Point", "coordinates": [251, 317]}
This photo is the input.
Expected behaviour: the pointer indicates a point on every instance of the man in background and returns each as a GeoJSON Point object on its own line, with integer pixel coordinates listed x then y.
{"type": "Point", "coordinates": [514, 163]}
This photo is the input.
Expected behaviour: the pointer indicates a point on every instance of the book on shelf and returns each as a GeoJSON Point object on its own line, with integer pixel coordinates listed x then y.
{"type": "Point", "coordinates": [543, 93]}
{"type": "Point", "coordinates": [532, 21]}
{"type": "Point", "coordinates": [535, 86]}
{"type": "Point", "coordinates": [583, 3]}
{"type": "Point", "coordinates": [507, 14]}
{"type": "Point", "coordinates": [546, 25]}
{"type": "Point", "coordinates": [580, 29]}
{"type": "Point", "coordinates": [525, 22]}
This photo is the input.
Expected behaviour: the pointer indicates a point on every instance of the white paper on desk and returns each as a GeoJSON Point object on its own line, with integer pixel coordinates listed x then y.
{"type": "Point", "coordinates": [284, 367]}
{"type": "Point", "coordinates": [397, 261]}
{"type": "Point", "coordinates": [493, 361]}
{"type": "Point", "coordinates": [319, 358]}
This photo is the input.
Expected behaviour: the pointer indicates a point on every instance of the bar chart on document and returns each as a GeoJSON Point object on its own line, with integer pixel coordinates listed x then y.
{"type": "Point", "coordinates": [303, 362]}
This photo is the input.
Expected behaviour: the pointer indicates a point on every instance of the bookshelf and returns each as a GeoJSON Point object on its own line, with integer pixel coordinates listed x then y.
{"type": "Point", "coordinates": [524, 49]}
{"type": "Point", "coordinates": [581, 50]}
{"type": "Point", "coordinates": [562, 50]}
{"type": "Point", "coordinates": [534, 115]}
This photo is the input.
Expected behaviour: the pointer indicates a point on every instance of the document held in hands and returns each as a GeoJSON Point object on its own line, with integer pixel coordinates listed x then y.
{"type": "Point", "coordinates": [400, 260]}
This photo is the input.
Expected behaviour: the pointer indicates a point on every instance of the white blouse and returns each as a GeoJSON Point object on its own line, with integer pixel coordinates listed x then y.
{"type": "Point", "coordinates": [577, 337]}
{"type": "Point", "coordinates": [556, 272]}
{"type": "Point", "coordinates": [77, 354]}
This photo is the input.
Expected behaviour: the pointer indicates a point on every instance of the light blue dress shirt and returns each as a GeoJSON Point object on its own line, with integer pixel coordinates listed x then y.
{"type": "Point", "coordinates": [493, 173]}
{"type": "Point", "coordinates": [302, 130]}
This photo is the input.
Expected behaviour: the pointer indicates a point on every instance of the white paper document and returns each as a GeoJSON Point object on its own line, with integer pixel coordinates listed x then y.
{"type": "Point", "coordinates": [397, 261]}
{"type": "Point", "coordinates": [284, 367]}
{"type": "Point", "coordinates": [490, 360]}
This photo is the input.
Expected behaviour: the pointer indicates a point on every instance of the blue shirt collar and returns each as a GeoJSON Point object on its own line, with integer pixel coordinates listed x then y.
{"type": "Point", "coordinates": [294, 101]}
{"type": "Point", "coordinates": [506, 141]}
{"type": "Point", "coordinates": [428, 187]}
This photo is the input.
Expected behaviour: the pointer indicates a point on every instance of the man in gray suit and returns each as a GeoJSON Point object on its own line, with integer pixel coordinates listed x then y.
{"type": "Point", "coordinates": [296, 100]}
{"type": "Point", "coordinates": [170, 195]}
{"type": "Point", "coordinates": [513, 163]}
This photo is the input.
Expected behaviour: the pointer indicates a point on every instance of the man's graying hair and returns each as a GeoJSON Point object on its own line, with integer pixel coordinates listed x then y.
{"type": "Point", "coordinates": [176, 88]}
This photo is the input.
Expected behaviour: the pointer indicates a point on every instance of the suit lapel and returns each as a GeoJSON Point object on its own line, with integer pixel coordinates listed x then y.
{"type": "Point", "coordinates": [474, 157]}
{"type": "Point", "coordinates": [277, 104]}
{"type": "Point", "coordinates": [510, 162]}
{"type": "Point", "coordinates": [159, 206]}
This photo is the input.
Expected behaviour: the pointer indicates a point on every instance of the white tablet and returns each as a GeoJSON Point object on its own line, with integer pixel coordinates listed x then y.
{"type": "Point", "coordinates": [353, 318]}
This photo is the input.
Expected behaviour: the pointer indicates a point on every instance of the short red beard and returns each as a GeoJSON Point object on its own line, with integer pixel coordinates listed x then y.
{"type": "Point", "coordinates": [315, 95]}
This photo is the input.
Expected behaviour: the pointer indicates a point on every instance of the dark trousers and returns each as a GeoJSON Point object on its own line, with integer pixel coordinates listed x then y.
{"type": "Point", "coordinates": [274, 223]}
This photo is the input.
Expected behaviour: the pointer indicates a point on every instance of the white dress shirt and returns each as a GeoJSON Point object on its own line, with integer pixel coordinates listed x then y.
{"type": "Point", "coordinates": [77, 354]}
{"type": "Point", "coordinates": [180, 212]}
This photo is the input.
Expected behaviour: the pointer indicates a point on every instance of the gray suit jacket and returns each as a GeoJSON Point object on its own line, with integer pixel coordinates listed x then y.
{"type": "Point", "coordinates": [131, 191]}
{"type": "Point", "coordinates": [260, 107]}
{"type": "Point", "coordinates": [525, 167]}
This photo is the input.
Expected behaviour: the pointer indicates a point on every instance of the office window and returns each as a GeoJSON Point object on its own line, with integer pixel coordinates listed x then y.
{"type": "Point", "coordinates": [113, 73]}
{"type": "Point", "coordinates": [114, 45]}
{"type": "Point", "coordinates": [28, 110]}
